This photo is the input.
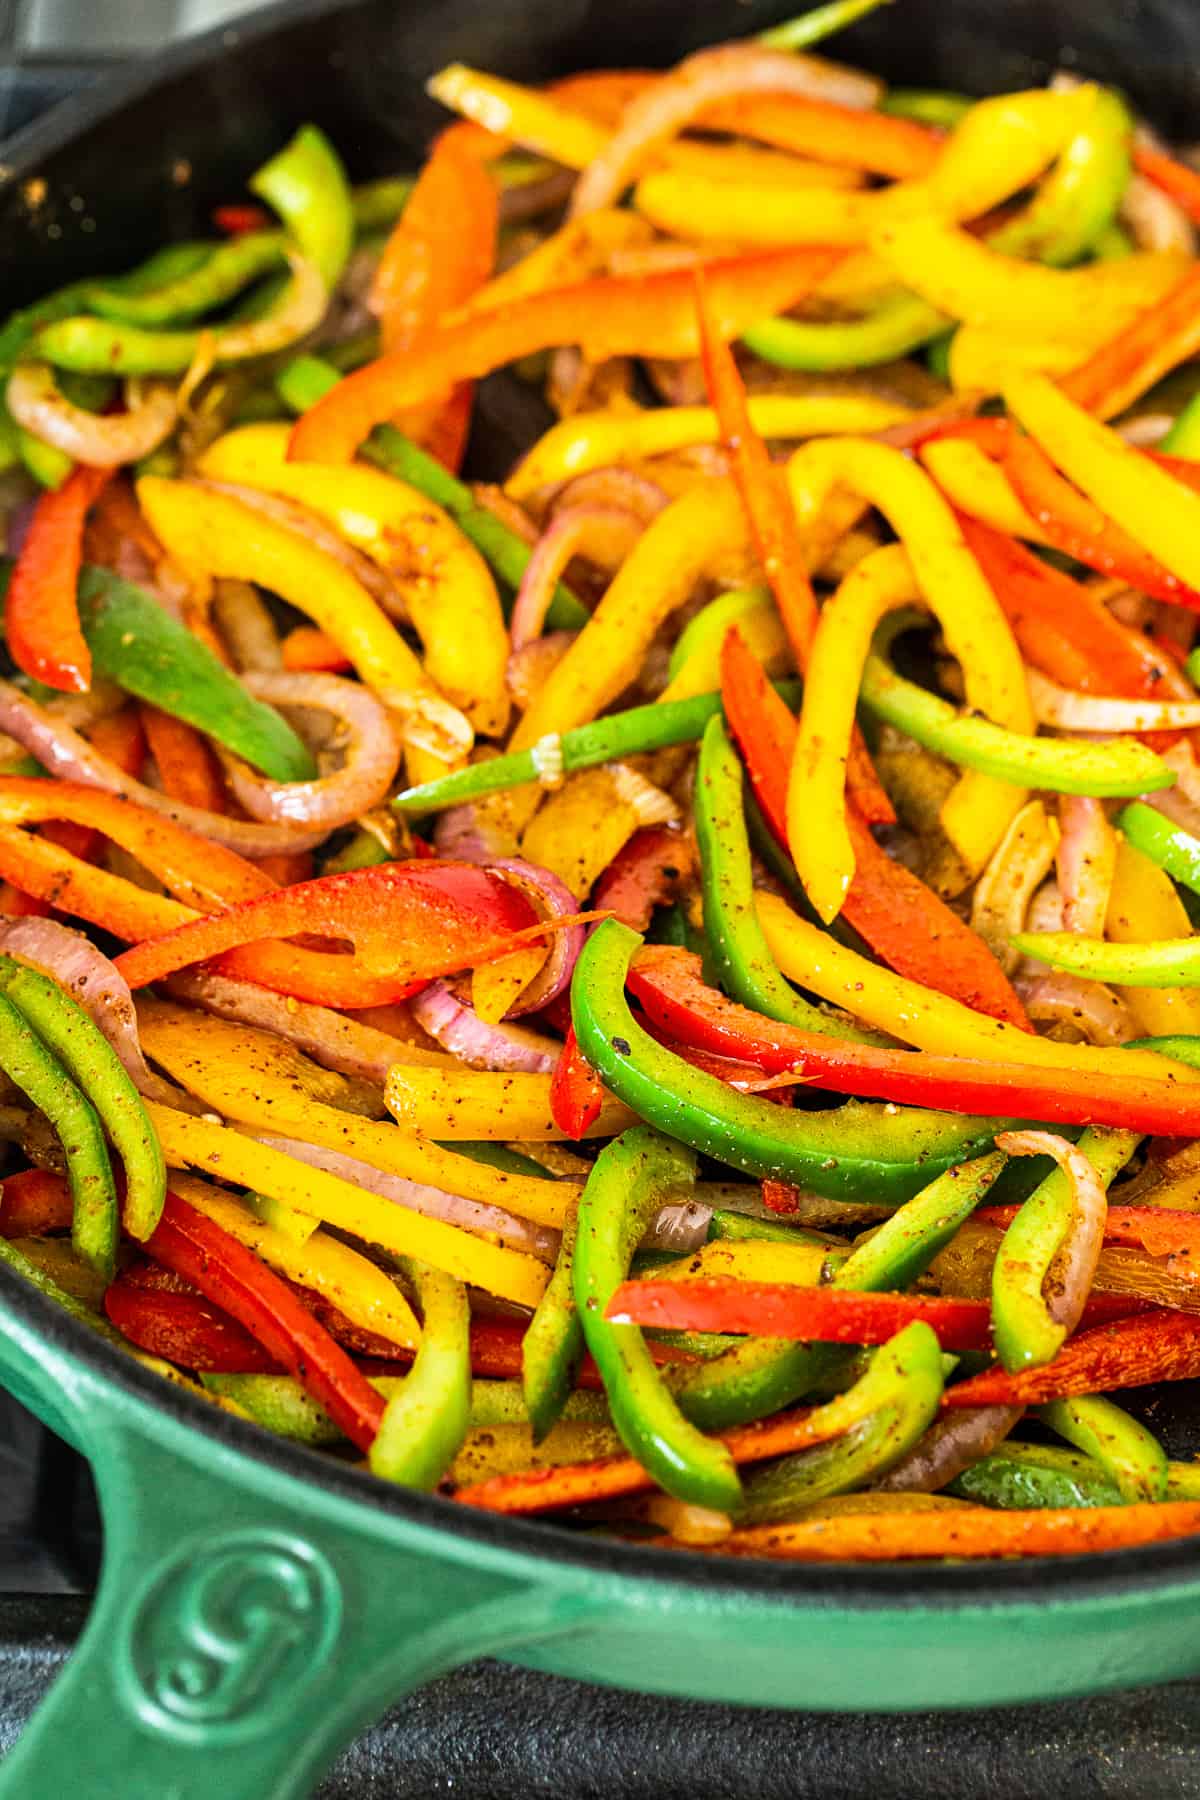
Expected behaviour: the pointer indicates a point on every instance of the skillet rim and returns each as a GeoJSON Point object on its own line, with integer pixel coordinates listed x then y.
{"type": "Point", "coordinates": [1029, 1583]}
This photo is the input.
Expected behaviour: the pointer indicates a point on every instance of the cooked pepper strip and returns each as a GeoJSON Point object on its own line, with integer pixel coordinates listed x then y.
{"type": "Point", "coordinates": [553, 1345]}
{"type": "Point", "coordinates": [632, 1178]}
{"type": "Point", "coordinates": [1129, 1454]}
{"type": "Point", "coordinates": [306, 185]}
{"type": "Point", "coordinates": [1078, 200]}
{"type": "Point", "coordinates": [33, 1067]}
{"type": "Point", "coordinates": [1026, 1333]}
{"type": "Point", "coordinates": [902, 920]}
{"type": "Point", "coordinates": [306, 380]}
{"type": "Point", "coordinates": [740, 956]}
{"type": "Point", "coordinates": [576, 1094]}
{"type": "Point", "coordinates": [41, 613]}
{"type": "Point", "coordinates": [426, 1419]}
{"type": "Point", "coordinates": [1124, 368]}
{"type": "Point", "coordinates": [225, 270]}
{"type": "Point", "coordinates": [234, 1279]}
{"type": "Point", "coordinates": [870, 1149]}
{"type": "Point", "coordinates": [1144, 906]}
{"type": "Point", "coordinates": [69, 1033]}
{"type": "Point", "coordinates": [479, 1104]}
{"type": "Point", "coordinates": [1031, 1475]}
{"type": "Point", "coordinates": [183, 762]}
{"type": "Point", "coordinates": [895, 326]}
{"type": "Point", "coordinates": [1166, 844]}
{"type": "Point", "coordinates": [1167, 963]}
{"type": "Point", "coordinates": [185, 1329]}
{"type": "Point", "coordinates": [1133, 1352]}
{"type": "Point", "coordinates": [651, 315]}
{"type": "Point", "coordinates": [776, 1309]}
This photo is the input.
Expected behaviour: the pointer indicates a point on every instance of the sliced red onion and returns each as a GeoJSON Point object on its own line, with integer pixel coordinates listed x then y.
{"type": "Point", "coordinates": [101, 440]}
{"type": "Point", "coordinates": [948, 1448]}
{"type": "Point", "coordinates": [460, 1030]}
{"type": "Point", "coordinates": [529, 199]}
{"type": "Point", "coordinates": [617, 487]}
{"type": "Point", "coordinates": [550, 898]}
{"type": "Point", "coordinates": [602, 534]}
{"type": "Point", "coordinates": [470, 1215]}
{"type": "Point", "coordinates": [65, 754]}
{"type": "Point", "coordinates": [244, 621]}
{"type": "Point", "coordinates": [100, 988]}
{"type": "Point", "coordinates": [530, 667]}
{"type": "Point", "coordinates": [1073, 1270]}
{"type": "Point", "coordinates": [463, 834]}
{"type": "Point", "coordinates": [330, 1038]}
{"type": "Point", "coordinates": [669, 104]}
{"type": "Point", "coordinates": [682, 1228]}
{"type": "Point", "coordinates": [301, 311]}
{"type": "Point", "coordinates": [1087, 863]}
{"type": "Point", "coordinates": [1102, 1015]}
{"type": "Point", "coordinates": [1146, 430]}
{"type": "Point", "coordinates": [371, 754]}
{"type": "Point", "coordinates": [19, 521]}
{"type": "Point", "coordinates": [1054, 705]}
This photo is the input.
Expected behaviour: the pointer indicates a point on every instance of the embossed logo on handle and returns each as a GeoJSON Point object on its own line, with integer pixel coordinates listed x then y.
{"type": "Point", "coordinates": [225, 1634]}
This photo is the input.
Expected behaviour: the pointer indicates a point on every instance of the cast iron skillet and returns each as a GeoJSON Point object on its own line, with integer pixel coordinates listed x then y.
{"type": "Point", "coordinates": [259, 1604]}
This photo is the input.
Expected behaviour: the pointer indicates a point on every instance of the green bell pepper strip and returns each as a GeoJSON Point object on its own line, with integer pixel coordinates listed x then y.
{"type": "Point", "coordinates": [307, 379]}
{"type": "Point", "coordinates": [762, 1375]}
{"type": "Point", "coordinates": [610, 739]}
{"type": "Point", "coordinates": [225, 271]}
{"type": "Point", "coordinates": [895, 326]}
{"type": "Point", "coordinates": [427, 1418]}
{"type": "Point", "coordinates": [1183, 439]}
{"type": "Point", "coordinates": [740, 957]}
{"type": "Point", "coordinates": [362, 851]}
{"type": "Point", "coordinates": [1019, 1475]}
{"type": "Point", "coordinates": [1167, 962]}
{"type": "Point", "coordinates": [743, 1227]}
{"type": "Point", "coordinates": [499, 1156]}
{"type": "Point", "coordinates": [25, 1059]}
{"type": "Point", "coordinates": [631, 1179]}
{"type": "Point", "coordinates": [820, 23]}
{"type": "Point", "coordinates": [48, 465]}
{"type": "Point", "coordinates": [928, 106]}
{"type": "Point", "coordinates": [671, 925]}
{"type": "Point", "coordinates": [899, 1393]}
{"type": "Point", "coordinates": [306, 185]}
{"type": "Point", "coordinates": [376, 205]}
{"type": "Point", "coordinates": [552, 1347]}
{"type": "Point", "coordinates": [1121, 1445]}
{"type": "Point", "coordinates": [88, 1057]}
{"type": "Point", "coordinates": [1025, 1334]}
{"type": "Point", "coordinates": [707, 630]}
{"type": "Point", "coordinates": [10, 446]}
{"type": "Point", "coordinates": [1113, 244]}
{"type": "Point", "coordinates": [1060, 765]}
{"type": "Point", "coordinates": [860, 1150]}
{"type": "Point", "coordinates": [135, 643]}
{"type": "Point", "coordinates": [1078, 200]}
{"type": "Point", "coordinates": [1179, 1049]}
{"type": "Point", "coordinates": [1168, 845]}
{"type": "Point", "coordinates": [21, 1265]}
{"type": "Point", "coordinates": [18, 329]}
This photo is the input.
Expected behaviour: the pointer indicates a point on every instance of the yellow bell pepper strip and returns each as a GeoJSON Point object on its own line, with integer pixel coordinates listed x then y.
{"type": "Point", "coordinates": [1023, 859]}
{"type": "Point", "coordinates": [651, 315]}
{"type": "Point", "coordinates": [1123, 369]}
{"type": "Point", "coordinates": [1067, 766]}
{"type": "Point", "coordinates": [538, 122]}
{"type": "Point", "coordinates": [1143, 905]}
{"type": "Point", "coordinates": [975, 485]}
{"type": "Point", "coordinates": [580, 828]}
{"type": "Point", "coordinates": [695, 666]}
{"type": "Point", "coordinates": [306, 185]}
{"type": "Point", "coordinates": [193, 1143]}
{"type": "Point", "coordinates": [322, 1263]}
{"type": "Point", "coordinates": [930, 106]}
{"type": "Point", "coordinates": [597, 440]}
{"type": "Point", "coordinates": [484, 1104]}
{"type": "Point", "coordinates": [442, 579]}
{"type": "Point", "coordinates": [1001, 146]}
{"type": "Point", "coordinates": [1078, 199]}
{"type": "Point", "coordinates": [978, 810]}
{"type": "Point", "coordinates": [1157, 511]}
{"type": "Point", "coordinates": [211, 533]}
{"type": "Point", "coordinates": [427, 1417]}
{"type": "Point", "coordinates": [244, 1074]}
{"type": "Point", "coordinates": [1122, 1447]}
{"type": "Point", "coordinates": [916, 1015]}
{"type": "Point", "coordinates": [33, 1067]}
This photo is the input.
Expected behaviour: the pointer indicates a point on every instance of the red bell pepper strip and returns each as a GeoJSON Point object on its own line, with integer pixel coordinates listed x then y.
{"type": "Point", "coordinates": [1159, 1230]}
{"type": "Point", "coordinates": [1116, 374]}
{"type": "Point", "coordinates": [772, 521]}
{"type": "Point", "coordinates": [1147, 1347]}
{"type": "Point", "coordinates": [440, 252]}
{"type": "Point", "coordinates": [576, 1092]}
{"type": "Point", "coordinates": [646, 315]}
{"type": "Point", "coordinates": [780, 1196]}
{"type": "Point", "coordinates": [33, 1203]}
{"type": "Point", "coordinates": [409, 922]}
{"type": "Point", "coordinates": [902, 920]}
{"type": "Point", "coordinates": [645, 873]}
{"type": "Point", "coordinates": [41, 613]}
{"type": "Point", "coordinates": [185, 1329]}
{"type": "Point", "coordinates": [783, 1310]}
{"type": "Point", "coordinates": [744, 1077]}
{"type": "Point", "coordinates": [187, 768]}
{"type": "Point", "coordinates": [238, 218]}
{"type": "Point", "coordinates": [669, 984]}
{"type": "Point", "coordinates": [234, 1279]}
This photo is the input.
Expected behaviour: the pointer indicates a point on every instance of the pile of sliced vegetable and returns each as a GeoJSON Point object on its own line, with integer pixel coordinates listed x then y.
{"type": "Point", "coordinates": [663, 995]}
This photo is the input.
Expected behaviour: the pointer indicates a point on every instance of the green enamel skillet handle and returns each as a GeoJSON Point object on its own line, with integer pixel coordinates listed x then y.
{"type": "Point", "coordinates": [248, 1624]}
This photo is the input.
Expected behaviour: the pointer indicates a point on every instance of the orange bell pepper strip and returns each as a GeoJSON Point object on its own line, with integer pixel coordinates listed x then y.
{"type": "Point", "coordinates": [120, 737]}
{"type": "Point", "coordinates": [49, 877]}
{"type": "Point", "coordinates": [1174, 178]}
{"type": "Point", "coordinates": [187, 768]}
{"type": "Point", "coordinates": [844, 135]}
{"type": "Point", "coordinates": [773, 530]}
{"type": "Point", "coordinates": [308, 648]}
{"type": "Point", "coordinates": [961, 1532]}
{"type": "Point", "coordinates": [1147, 1347]}
{"type": "Point", "coordinates": [440, 252]}
{"type": "Point", "coordinates": [1159, 1230]}
{"type": "Point", "coordinates": [234, 1279]}
{"type": "Point", "coordinates": [576, 1091]}
{"type": "Point", "coordinates": [34, 1203]}
{"type": "Point", "coordinates": [903, 921]}
{"type": "Point", "coordinates": [1130, 363]}
{"type": "Point", "coordinates": [650, 315]}
{"type": "Point", "coordinates": [45, 638]}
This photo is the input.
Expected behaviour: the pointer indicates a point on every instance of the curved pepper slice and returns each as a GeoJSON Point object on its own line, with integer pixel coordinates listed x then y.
{"type": "Point", "coordinates": [1130, 363]}
{"type": "Point", "coordinates": [426, 1419]}
{"type": "Point", "coordinates": [632, 1178]}
{"type": "Point", "coordinates": [1121, 1445]}
{"type": "Point", "coordinates": [777, 1309]}
{"type": "Point", "coordinates": [854, 1151]}
{"type": "Point", "coordinates": [41, 612]}
{"type": "Point", "coordinates": [576, 1093]}
{"type": "Point", "coordinates": [185, 1329]}
{"type": "Point", "coordinates": [1133, 1352]}
{"type": "Point", "coordinates": [306, 184]}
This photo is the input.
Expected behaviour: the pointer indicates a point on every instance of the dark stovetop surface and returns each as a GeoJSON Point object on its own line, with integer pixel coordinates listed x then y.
{"type": "Point", "coordinates": [494, 1732]}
